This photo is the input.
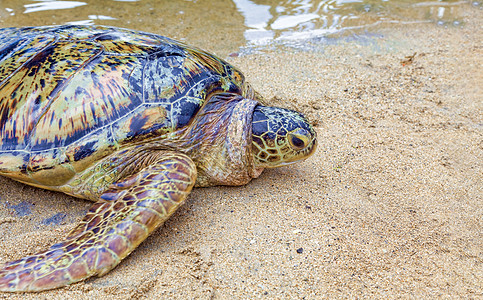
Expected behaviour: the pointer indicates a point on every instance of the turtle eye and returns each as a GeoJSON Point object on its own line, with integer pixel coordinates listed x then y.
{"type": "Point", "coordinates": [298, 139]}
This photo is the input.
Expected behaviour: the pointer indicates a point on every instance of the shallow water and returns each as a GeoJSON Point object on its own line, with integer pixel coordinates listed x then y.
{"type": "Point", "coordinates": [225, 26]}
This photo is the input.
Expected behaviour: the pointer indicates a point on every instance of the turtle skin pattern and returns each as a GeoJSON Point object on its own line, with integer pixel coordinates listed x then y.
{"type": "Point", "coordinates": [77, 106]}
{"type": "Point", "coordinates": [111, 229]}
{"type": "Point", "coordinates": [132, 121]}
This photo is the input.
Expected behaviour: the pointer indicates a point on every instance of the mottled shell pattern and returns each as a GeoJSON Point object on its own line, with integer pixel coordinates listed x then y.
{"type": "Point", "coordinates": [71, 95]}
{"type": "Point", "coordinates": [132, 121]}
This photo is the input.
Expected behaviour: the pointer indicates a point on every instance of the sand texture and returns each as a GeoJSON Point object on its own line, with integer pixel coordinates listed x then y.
{"type": "Point", "coordinates": [389, 206]}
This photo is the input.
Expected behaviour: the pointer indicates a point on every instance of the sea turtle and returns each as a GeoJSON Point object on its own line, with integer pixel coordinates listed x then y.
{"type": "Point", "coordinates": [132, 121]}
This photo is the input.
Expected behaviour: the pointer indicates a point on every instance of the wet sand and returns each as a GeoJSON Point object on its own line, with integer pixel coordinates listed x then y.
{"type": "Point", "coordinates": [389, 206]}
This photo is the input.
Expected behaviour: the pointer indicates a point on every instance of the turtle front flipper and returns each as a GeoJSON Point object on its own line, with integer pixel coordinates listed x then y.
{"type": "Point", "coordinates": [123, 217]}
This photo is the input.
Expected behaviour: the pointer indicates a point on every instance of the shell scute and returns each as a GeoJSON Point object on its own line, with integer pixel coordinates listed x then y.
{"type": "Point", "coordinates": [122, 42]}
{"type": "Point", "coordinates": [100, 99]}
{"type": "Point", "coordinates": [44, 160]}
{"type": "Point", "coordinates": [89, 149]}
{"type": "Point", "coordinates": [71, 95]}
{"type": "Point", "coordinates": [16, 52]}
{"type": "Point", "coordinates": [33, 85]}
{"type": "Point", "coordinates": [144, 120]}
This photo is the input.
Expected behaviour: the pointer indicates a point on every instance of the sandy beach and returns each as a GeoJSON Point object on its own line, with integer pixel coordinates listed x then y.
{"type": "Point", "coordinates": [390, 205]}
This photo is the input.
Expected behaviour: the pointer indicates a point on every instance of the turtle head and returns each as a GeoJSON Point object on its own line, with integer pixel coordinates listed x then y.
{"type": "Point", "coordinates": [280, 137]}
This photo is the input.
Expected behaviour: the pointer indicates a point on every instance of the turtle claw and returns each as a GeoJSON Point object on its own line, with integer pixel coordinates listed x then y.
{"type": "Point", "coordinates": [111, 229]}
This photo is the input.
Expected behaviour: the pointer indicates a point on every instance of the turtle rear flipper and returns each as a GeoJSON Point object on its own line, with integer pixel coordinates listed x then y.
{"type": "Point", "coordinates": [124, 216]}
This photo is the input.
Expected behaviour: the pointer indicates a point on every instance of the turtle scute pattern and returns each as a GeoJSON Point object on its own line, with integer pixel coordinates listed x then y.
{"type": "Point", "coordinates": [132, 121]}
{"type": "Point", "coordinates": [99, 113]}
{"type": "Point", "coordinates": [72, 92]}
{"type": "Point", "coordinates": [120, 71]}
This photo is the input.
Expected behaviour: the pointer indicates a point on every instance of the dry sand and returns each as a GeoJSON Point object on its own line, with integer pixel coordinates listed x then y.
{"type": "Point", "coordinates": [389, 206]}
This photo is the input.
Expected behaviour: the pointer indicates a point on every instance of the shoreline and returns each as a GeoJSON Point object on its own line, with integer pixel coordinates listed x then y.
{"type": "Point", "coordinates": [389, 206]}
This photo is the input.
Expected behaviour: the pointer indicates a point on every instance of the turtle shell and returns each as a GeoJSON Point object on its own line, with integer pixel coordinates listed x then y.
{"type": "Point", "coordinates": [72, 95]}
